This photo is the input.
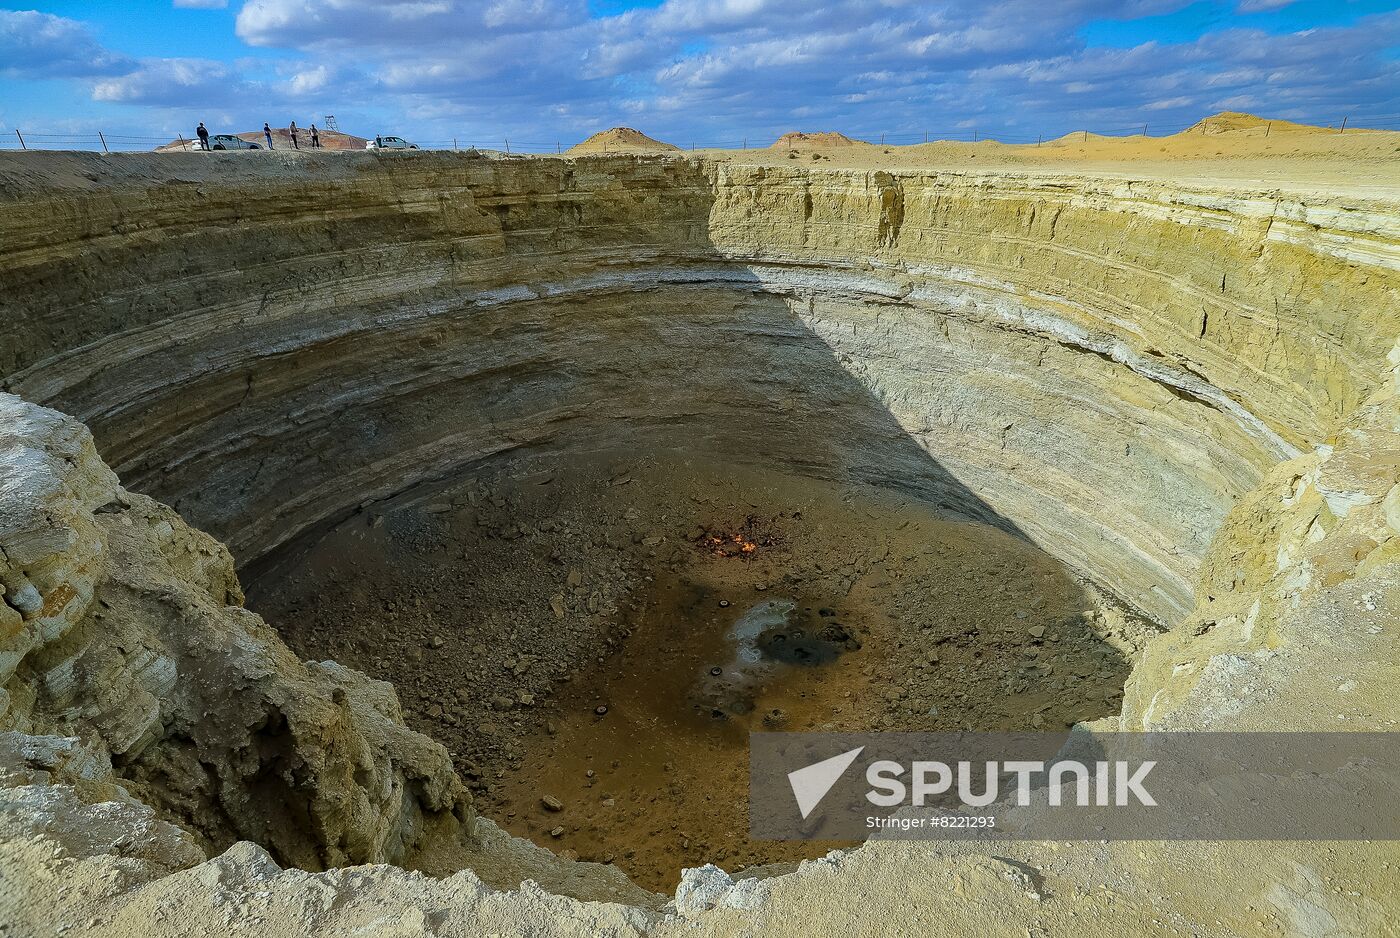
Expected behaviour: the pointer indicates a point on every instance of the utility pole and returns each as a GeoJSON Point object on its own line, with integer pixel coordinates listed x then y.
{"type": "Point", "coordinates": [22, 145]}
{"type": "Point", "coordinates": [507, 144]}
{"type": "Point", "coordinates": [974, 135]}
{"type": "Point", "coordinates": [1344, 124]}
{"type": "Point", "coordinates": [1144, 130]}
{"type": "Point", "coordinates": [104, 142]}
{"type": "Point", "coordinates": [1038, 138]}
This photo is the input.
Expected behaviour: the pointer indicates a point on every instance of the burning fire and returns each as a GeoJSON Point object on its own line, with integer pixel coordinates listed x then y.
{"type": "Point", "coordinates": [720, 545]}
{"type": "Point", "coordinates": [744, 539]}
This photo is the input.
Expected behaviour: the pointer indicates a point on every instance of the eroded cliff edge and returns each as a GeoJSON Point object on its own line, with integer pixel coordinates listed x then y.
{"type": "Point", "coordinates": [1114, 368]}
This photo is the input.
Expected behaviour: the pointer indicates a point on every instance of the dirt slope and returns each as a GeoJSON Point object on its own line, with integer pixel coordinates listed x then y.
{"type": "Point", "coordinates": [825, 138]}
{"type": "Point", "coordinates": [621, 140]}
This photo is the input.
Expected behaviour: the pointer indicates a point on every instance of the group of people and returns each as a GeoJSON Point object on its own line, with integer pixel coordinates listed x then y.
{"type": "Point", "coordinates": [203, 133]}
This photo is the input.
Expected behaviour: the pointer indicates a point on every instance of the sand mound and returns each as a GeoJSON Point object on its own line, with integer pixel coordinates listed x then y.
{"type": "Point", "coordinates": [1235, 120]}
{"type": "Point", "coordinates": [1229, 134]}
{"type": "Point", "coordinates": [621, 140]}
{"type": "Point", "coordinates": [825, 138]}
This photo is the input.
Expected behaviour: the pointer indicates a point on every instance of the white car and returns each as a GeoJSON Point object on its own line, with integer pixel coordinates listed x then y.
{"type": "Point", "coordinates": [230, 142]}
{"type": "Point", "coordinates": [390, 143]}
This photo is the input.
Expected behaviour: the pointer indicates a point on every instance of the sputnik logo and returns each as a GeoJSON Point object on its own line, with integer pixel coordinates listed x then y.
{"type": "Point", "coordinates": [810, 785]}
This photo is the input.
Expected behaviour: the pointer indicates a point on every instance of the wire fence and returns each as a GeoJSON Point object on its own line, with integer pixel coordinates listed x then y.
{"type": "Point", "coordinates": [102, 142]}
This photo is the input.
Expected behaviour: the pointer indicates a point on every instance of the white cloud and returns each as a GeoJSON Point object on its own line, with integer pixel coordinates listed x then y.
{"type": "Point", "coordinates": [1168, 104]}
{"type": "Point", "coordinates": [38, 45]}
{"type": "Point", "coordinates": [309, 81]}
{"type": "Point", "coordinates": [1260, 6]}
{"type": "Point", "coordinates": [163, 81]}
{"type": "Point", "coordinates": [725, 68]}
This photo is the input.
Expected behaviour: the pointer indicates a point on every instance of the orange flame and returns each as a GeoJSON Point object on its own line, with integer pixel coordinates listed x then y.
{"type": "Point", "coordinates": [720, 544]}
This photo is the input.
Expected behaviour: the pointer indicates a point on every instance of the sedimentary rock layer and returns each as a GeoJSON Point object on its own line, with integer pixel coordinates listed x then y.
{"type": "Point", "coordinates": [1105, 366]}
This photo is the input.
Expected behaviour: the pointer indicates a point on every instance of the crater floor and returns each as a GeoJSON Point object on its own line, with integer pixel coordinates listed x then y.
{"type": "Point", "coordinates": [510, 608]}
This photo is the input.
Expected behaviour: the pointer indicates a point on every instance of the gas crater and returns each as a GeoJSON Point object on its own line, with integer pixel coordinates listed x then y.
{"type": "Point", "coordinates": [547, 481]}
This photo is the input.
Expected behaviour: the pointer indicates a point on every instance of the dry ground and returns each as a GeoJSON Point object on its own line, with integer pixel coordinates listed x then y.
{"type": "Point", "coordinates": [509, 609]}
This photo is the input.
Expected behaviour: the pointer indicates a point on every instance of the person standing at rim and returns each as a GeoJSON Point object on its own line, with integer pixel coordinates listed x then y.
{"type": "Point", "coordinates": [267, 132]}
{"type": "Point", "coordinates": [315, 138]}
{"type": "Point", "coordinates": [293, 131]}
{"type": "Point", "coordinates": [202, 133]}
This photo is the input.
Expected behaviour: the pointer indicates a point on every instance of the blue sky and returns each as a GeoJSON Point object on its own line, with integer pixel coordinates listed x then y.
{"type": "Point", "coordinates": [705, 71]}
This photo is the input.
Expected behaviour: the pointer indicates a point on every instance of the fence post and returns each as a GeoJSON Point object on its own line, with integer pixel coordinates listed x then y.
{"type": "Point", "coordinates": [22, 144]}
{"type": "Point", "coordinates": [1038, 138]}
{"type": "Point", "coordinates": [454, 144]}
{"type": "Point", "coordinates": [556, 148]}
{"type": "Point", "coordinates": [1144, 129]}
{"type": "Point", "coordinates": [746, 143]}
{"type": "Point", "coordinates": [882, 139]}
{"type": "Point", "coordinates": [104, 142]}
{"type": "Point", "coordinates": [1267, 127]}
{"type": "Point", "coordinates": [1085, 138]}
{"type": "Point", "coordinates": [974, 135]}
{"type": "Point", "coordinates": [507, 144]}
{"type": "Point", "coordinates": [1344, 124]}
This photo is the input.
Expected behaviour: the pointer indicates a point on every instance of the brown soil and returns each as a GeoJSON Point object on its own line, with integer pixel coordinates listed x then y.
{"type": "Point", "coordinates": [797, 138]}
{"type": "Point", "coordinates": [509, 609]}
{"type": "Point", "coordinates": [621, 140]}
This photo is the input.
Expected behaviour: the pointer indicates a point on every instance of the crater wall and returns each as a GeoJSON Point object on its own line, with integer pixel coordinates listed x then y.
{"type": "Point", "coordinates": [1103, 365]}
{"type": "Point", "coordinates": [1187, 393]}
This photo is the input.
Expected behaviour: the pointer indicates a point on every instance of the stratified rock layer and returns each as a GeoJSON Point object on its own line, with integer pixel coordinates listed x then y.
{"type": "Point", "coordinates": [1103, 365]}
{"type": "Point", "coordinates": [1186, 393]}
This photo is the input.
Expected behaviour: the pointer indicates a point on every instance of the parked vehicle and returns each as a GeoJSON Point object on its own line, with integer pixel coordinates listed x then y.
{"type": "Point", "coordinates": [390, 143]}
{"type": "Point", "coordinates": [230, 142]}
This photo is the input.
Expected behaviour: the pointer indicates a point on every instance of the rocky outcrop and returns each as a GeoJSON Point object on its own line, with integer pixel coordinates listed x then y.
{"type": "Point", "coordinates": [1294, 621]}
{"type": "Point", "coordinates": [124, 629]}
